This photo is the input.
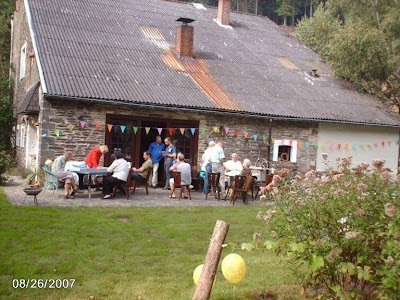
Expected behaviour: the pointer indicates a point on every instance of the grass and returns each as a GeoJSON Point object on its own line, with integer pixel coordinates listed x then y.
{"type": "Point", "coordinates": [120, 253]}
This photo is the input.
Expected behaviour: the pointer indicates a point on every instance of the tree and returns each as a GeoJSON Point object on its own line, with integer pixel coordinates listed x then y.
{"type": "Point", "coordinates": [6, 111]}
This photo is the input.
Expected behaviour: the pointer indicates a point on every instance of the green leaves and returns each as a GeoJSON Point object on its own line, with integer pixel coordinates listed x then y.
{"type": "Point", "coordinates": [316, 262]}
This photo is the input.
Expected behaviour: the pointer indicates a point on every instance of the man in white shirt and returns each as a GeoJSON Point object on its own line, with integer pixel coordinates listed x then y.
{"type": "Point", "coordinates": [217, 157]}
{"type": "Point", "coordinates": [233, 167]}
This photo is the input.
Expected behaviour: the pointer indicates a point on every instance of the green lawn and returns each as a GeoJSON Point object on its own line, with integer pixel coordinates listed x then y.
{"type": "Point", "coordinates": [119, 253]}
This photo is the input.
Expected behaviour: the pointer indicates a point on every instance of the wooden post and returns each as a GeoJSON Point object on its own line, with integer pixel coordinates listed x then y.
{"type": "Point", "coordinates": [203, 289]}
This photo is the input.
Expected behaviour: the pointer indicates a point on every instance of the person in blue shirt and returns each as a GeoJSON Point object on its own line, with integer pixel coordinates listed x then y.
{"type": "Point", "coordinates": [156, 148]}
{"type": "Point", "coordinates": [169, 155]}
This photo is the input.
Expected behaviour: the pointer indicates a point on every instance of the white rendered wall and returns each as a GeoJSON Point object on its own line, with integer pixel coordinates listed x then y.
{"type": "Point", "coordinates": [364, 143]}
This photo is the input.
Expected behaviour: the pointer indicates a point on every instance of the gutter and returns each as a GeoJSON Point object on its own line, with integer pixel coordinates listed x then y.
{"type": "Point", "coordinates": [207, 110]}
{"type": "Point", "coordinates": [33, 36]}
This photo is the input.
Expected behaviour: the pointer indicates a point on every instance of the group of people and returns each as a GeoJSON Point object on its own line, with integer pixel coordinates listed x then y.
{"type": "Point", "coordinates": [214, 161]}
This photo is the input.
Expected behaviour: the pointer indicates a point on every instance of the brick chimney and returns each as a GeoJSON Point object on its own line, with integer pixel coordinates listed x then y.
{"type": "Point", "coordinates": [224, 9]}
{"type": "Point", "coordinates": [184, 38]}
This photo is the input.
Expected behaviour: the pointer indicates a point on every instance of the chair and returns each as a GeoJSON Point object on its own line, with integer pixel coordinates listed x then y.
{"type": "Point", "coordinates": [51, 179]}
{"type": "Point", "coordinates": [230, 187]}
{"type": "Point", "coordinates": [134, 183]}
{"type": "Point", "coordinates": [258, 184]}
{"type": "Point", "coordinates": [242, 185]}
{"type": "Point", "coordinates": [126, 186]}
{"type": "Point", "coordinates": [213, 184]}
{"type": "Point", "coordinates": [178, 183]}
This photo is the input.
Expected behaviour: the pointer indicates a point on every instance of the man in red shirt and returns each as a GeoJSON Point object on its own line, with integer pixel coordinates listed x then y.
{"type": "Point", "coordinates": [93, 158]}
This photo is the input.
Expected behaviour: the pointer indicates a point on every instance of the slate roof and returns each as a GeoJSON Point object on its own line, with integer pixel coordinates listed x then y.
{"type": "Point", "coordinates": [30, 105]}
{"type": "Point", "coordinates": [122, 51]}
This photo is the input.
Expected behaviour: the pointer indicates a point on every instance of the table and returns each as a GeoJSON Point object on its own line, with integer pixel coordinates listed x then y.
{"type": "Point", "coordinates": [89, 172]}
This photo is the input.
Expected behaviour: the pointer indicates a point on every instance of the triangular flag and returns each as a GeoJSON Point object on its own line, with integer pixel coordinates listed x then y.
{"type": "Point", "coordinates": [246, 134]}
{"type": "Point", "coordinates": [82, 123]}
{"type": "Point", "coordinates": [235, 132]}
{"type": "Point", "coordinates": [109, 126]}
{"type": "Point", "coordinates": [227, 130]}
{"type": "Point", "coordinates": [171, 131]}
{"type": "Point", "coordinates": [264, 138]}
{"type": "Point", "coordinates": [57, 132]}
{"type": "Point", "coordinates": [116, 128]}
{"type": "Point", "coordinates": [97, 125]}
{"type": "Point", "coordinates": [390, 143]}
{"type": "Point", "coordinates": [383, 143]}
{"type": "Point", "coordinates": [299, 144]}
{"type": "Point", "coordinates": [282, 141]}
{"type": "Point", "coordinates": [255, 136]}
{"type": "Point", "coordinates": [70, 126]}
{"type": "Point", "coordinates": [135, 129]}
{"type": "Point", "coordinates": [323, 146]}
{"type": "Point", "coordinates": [182, 131]}
{"type": "Point", "coordinates": [290, 142]}
{"type": "Point", "coordinates": [44, 135]}
{"type": "Point", "coordinates": [203, 130]}
{"type": "Point", "coordinates": [339, 146]}
{"type": "Point", "coordinates": [147, 129]}
{"type": "Point", "coordinates": [216, 129]}
{"type": "Point", "coordinates": [331, 146]}
{"type": "Point", "coordinates": [193, 130]}
{"type": "Point", "coordinates": [353, 146]}
{"type": "Point", "coordinates": [123, 127]}
{"type": "Point", "coordinates": [346, 146]}
{"type": "Point", "coordinates": [159, 130]}
{"type": "Point", "coordinates": [307, 144]}
{"type": "Point", "coordinates": [315, 145]}
{"type": "Point", "coordinates": [376, 144]}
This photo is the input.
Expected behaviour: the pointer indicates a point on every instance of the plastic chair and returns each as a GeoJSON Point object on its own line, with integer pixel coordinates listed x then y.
{"type": "Point", "coordinates": [51, 179]}
{"type": "Point", "coordinates": [178, 183]}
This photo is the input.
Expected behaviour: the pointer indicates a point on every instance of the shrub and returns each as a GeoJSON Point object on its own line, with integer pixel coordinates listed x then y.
{"type": "Point", "coordinates": [340, 229]}
{"type": "Point", "coordinates": [6, 162]}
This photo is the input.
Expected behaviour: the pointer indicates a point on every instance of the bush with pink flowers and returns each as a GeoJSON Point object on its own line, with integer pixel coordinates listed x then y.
{"type": "Point", "coordinates": [340, 229]}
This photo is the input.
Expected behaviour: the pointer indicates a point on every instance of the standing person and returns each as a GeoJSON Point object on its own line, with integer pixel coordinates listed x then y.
{"type": "Point", "coordinates": [217, 157]}
{"type": "Point", "coordinates": [58, 168]}
{"type": "Point", "coordinates": [93, 158]}
{"type": "Point", "coordinates": [169, 155]}
{"type": "Point", "coordinates": [206, 166]}
{"type": "Point", "coordinates": [139, 174]}
{"type": "Point", "coordinates": [155, 150]}
{"type": "Point", "coordinates": [186, 175]}
{"type": "Point", "coordinates": [120, 170]}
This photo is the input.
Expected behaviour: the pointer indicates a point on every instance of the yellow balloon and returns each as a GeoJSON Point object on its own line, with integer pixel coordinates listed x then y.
{"type": "Point", "coordinates": [197, 273]}
{"type": "Point", "coordinates": [233, 267]}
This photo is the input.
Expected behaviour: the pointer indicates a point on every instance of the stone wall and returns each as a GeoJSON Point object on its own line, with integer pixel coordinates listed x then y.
{"type": "Point", "coordinates": [59, 114]}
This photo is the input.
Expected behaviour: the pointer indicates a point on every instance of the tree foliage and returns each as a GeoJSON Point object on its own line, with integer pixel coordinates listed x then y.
{"type": "Point", "coordinates": [6, 111]}
{"type": "Point", "coordinates": [361, 42]}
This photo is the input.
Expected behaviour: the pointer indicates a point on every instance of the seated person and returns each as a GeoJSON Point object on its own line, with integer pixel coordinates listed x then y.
{"type": "Point", "coordinates": [120, 170]}
{"type": "Point", "coordinates": [140, 174]}
{"type": "Point", "coordinates": [58, 168]}
{"type": "Point", "coordinates": [186, 175]}
{"type": "Point", "coordinates": [246, 167]}
{"type": "Point", "coordinates": [233, 167]}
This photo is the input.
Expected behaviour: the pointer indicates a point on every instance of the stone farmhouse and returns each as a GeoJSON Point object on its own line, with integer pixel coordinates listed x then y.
{"type": "Point", "coordinates": [121, 72]}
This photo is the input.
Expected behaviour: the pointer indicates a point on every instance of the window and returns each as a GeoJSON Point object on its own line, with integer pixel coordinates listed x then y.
{"type": "Point", "coordinates": [22, 136]}
{"type": "Point", "coordinates": [22, 62]}
{"type": "Point", "coordinates": [285, 150]}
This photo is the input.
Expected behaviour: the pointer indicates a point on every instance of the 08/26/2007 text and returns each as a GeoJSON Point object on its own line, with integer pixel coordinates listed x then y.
{"type": "Point", "coordinates": [43, 283]}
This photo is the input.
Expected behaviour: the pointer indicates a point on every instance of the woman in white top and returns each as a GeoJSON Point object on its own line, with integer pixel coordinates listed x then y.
{"type": "Point", "coordinates": [120, 170]}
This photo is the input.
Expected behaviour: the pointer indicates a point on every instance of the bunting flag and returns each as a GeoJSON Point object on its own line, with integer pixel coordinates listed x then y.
{"type": "Point", "coordinates": [353, 146]}
{"type": "Point", "coordinates": [70, 126]}
{"type": "Point", "coordinates": [323, 146]}
{"type": "Point", "coordinates": [82, 123]}
{"type": "Point", "coordinates": [390, 143]}
{"type": "Point", "coordinates": [147, 129]}
{"type": "Point", "coordinates": [290, 142]}
{"type": "Point", "coordinates": [115, 128]}
{"type": "Point", "coordinates": [97, 125]}
{"type": "Point", "coordinates": [171, 131]}
{"type": "Point", "coordinates": [383, 143]}
{"type": "Point", "coordinates": [135, 129]}
{"type": "Point", "coordinates": [376, 144]}
{"type": "Point", "coordinates": [315, 145]}
{"type": "Point", "coordinates": [193, 130]}
{"type": "Point", "coordinates": [216, 129]}
{"type": "Point", "coordinates": [123, 127]}
{"type": "Point", "coordinates": [44, 135]}
{"type": "Point", "coordinates": [299, 144]}
{"type": "Point", "coordinates": [307, 144]}
{"type": "Point", "coordinates": [264, 138]}
{"type": "Point", "coordinates": [182, 131]}
{"type": "Point", "coordinates": [227, 130]}
{"type": "Point", "coordinates": [246, 135]}
{"type": "Point", "coordinates": [159, 130]}
{"type": "Point", "coordinates": [282, 142]}
{"type": "Point", "coordinates": [255, 136]}
{"type": "Point", "coordinates": [339, 146]}
{"type": "Point", "coordinates": [235, 132]}
{"type": "Point", "coordinates": [57, 132]}
{"type": "Point", "coordinates": [346, 146]}
{"type": "Point", "coordinates": [109, 127]}
{"type": "Point", "coordinates": [203, 130]}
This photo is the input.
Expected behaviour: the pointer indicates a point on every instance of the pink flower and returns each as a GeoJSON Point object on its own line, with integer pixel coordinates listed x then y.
{"type": "Point", "coordinates": [310, 174]}
{"type": "Point", "coordinates": [389, 210]}
{"type": "Point", "coordinates": [361, 187]}
{"type": "Point", "coordinates": [274, 190]}
{"type": "Point", "coordinates": [337, 177]}
{"type": "Point", "coordinates": [384, 175]}
{"type": "Point", "coordinates": [378, 163]}
{"type": "Point", "coordinates": [276, 179]}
